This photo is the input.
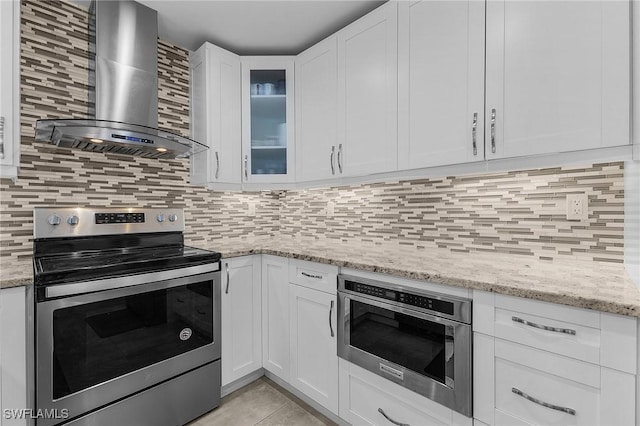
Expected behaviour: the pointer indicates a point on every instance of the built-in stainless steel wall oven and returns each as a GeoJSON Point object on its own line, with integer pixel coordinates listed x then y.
{"type": "Point", "coordinates": [418, 339]}
{"type": "Point", "coordinates": [126, 319]}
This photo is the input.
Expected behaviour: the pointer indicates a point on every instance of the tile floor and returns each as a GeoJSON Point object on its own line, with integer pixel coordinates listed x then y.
{"type": "Point", "coordinates": [263, 403]}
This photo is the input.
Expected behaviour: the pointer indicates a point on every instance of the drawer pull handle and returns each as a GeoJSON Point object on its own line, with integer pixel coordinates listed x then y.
{"type": "Point", "coordinates": [311, 275]}
{"type": "Point", "coordinates": [330, 315]}
{"type": "Point", "coordinates": [381, 411]}
{"type": "Point", "coordinates": [544, 327]}
{"type": "Point", "coordinates": [544, 404]}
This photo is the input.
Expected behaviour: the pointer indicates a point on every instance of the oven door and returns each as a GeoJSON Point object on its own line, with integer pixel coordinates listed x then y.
{"type": "Point", "coordinates": [425, 353]}
{"type": "Point", "coordinates": [93, 349]}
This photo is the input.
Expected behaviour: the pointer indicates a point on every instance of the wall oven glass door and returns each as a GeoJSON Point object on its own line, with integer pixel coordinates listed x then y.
{"type": "Point", "coordinates": [120, 341]}
{"type": "Point", "coordinates": [425, 353]}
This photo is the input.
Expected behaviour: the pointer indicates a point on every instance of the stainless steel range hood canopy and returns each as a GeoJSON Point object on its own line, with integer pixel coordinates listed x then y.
{"type": "Point", "coordinates": [124, 80]}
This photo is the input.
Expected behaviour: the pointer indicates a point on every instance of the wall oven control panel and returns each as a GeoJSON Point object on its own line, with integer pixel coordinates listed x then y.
{"type": "Point", "coordinates": [419, 301]}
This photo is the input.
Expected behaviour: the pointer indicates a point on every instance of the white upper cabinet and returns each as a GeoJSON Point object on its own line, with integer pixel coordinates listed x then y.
{"type": "Point", "coordinates": [441, 82]}
{"type": "Point", "coordinates": [267, 119]}
{"type": "Point", "coordinates": [215, 116]}
{"type": "Point", "coordinates": [9, 88]}
{"type": "Point", "coordinates": [558, 76]}
{"type": "Point", "coordinates": [367, 93]}
{"type": "Point", "coordinates": [316, 112]}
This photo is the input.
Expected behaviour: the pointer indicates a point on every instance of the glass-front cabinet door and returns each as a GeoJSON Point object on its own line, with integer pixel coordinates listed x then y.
{"type": "Point", "coordinates": [267, 119]}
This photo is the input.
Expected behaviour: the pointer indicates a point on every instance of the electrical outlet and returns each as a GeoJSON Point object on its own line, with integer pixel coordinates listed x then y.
{"type": "Point", "coordinates": [251, 208]}
{"type": "Point", "coordinates": [331, 207]}
{"type": "Point", "coordinates": [577, 207]}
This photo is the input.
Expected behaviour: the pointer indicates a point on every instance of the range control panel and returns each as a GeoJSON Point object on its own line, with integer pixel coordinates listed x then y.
{"type": "Point", "coordinates": [417, 300]}
{"type": "Point", "coordinates": [53, 222]}
{"type": "Point", "coordinates": [119, 218]}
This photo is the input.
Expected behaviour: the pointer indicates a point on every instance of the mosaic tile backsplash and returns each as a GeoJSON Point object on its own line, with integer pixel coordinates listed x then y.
{"type": "Point", "coordinates": [519, 212]}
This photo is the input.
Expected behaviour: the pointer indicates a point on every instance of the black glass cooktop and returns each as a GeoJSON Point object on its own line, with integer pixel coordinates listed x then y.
{"type": "Point", "coordinates": [77, 262]}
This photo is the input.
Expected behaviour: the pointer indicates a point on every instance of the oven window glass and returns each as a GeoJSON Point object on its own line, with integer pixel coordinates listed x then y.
{"type": "Point", "coordinates": [99, 341]}
{"type": "Point", "coordinates": [414, 343]}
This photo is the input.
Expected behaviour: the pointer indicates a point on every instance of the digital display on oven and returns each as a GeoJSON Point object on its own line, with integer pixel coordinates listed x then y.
{"type": "Point", "coordinates": [106, 218]}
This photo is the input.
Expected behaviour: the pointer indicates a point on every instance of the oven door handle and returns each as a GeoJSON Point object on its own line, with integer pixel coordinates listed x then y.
{"type": "Point", "coordinates": [63, 290]}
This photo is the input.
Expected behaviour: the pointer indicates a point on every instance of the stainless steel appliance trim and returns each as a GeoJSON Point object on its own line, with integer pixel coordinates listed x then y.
{"type": "Point", "coordinates": [381, 411]}
{"type": "Point", "coordinates": [175, 402]}
{"type": "Point", "coordinates": [60, 290]}
{"type": "Point", "coordinates": [86, 226]}
{"type": "Point", "coordinates": [462, 307]}
{"type": "Point", "coordinates": [114, 389]}
{"type": "Point", "coordinates": [544, 327]}
{"type": "Point", "coordinates": [457, 397]}
{"type": "Point", "coordinates": [542, 403]}
{"type": "Point", "coordinates": [390, 370]}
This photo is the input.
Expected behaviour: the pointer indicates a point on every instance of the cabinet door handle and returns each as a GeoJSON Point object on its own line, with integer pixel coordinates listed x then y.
{"type": "Point", "coordinates": [381, 411]}
{"type": "Point", "coordinates": [319, 277]}
{"type": "Point", "coordinates": [493, 130]}
{"type": "Point", "coordinates": [217, 164]}
{"type": "Point", "coordinates": [473, 133]}
{"type": "Point", "coordinates": [330, 315]}
{"type": "Point", "coordinates": [340, 158]}
{"type": "Point", "coordinates": [1, 137]}
{"type": "Point", "coordinates": [246, 173]}
{"type": "Point", "coordinates": [544, 327]}
{"type": "Point", "coordinates": [226, 291]}
{"type": "Point", "coordinates": [544, 404]}
{"type": "Point", "coordinates": [333, 152]}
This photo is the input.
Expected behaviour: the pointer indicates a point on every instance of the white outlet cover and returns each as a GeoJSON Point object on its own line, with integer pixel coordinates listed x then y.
{"type": "Point", "coordinates": [577, 207]}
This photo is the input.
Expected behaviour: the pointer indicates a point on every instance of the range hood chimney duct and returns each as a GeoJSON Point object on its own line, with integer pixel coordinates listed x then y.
{"type": "Point", "coordinates": [123, 76]}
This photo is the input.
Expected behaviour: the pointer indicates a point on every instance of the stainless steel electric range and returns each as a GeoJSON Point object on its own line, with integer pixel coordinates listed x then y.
{"type": "Point", "coordinates": [125, 318]}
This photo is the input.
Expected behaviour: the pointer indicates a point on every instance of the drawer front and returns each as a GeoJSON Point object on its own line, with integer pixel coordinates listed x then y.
{"type": "Point", "coordinates": [549, 333]}
{"type": "Point", "coordinates": [366, 401]}
{"type": "Point", "coordinates": [313, 275]}
{"type": "Point", "coordinates": [539, 398]}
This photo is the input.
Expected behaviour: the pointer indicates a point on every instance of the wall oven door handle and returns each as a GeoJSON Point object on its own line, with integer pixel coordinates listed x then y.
{"type": "Point", "coordinates": [381, 411]}
{"type": "Point", "coordinates": [330, 315]}
{"type": "Point", "coordinates": [128, 281]}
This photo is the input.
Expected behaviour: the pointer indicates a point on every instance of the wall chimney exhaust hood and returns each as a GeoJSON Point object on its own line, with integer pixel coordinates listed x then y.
{"type": "Point", "coordinates": [123, 80]}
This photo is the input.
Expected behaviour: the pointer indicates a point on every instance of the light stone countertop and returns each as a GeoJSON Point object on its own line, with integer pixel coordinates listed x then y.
{"type": "Point", "coordinates": [592, 285]}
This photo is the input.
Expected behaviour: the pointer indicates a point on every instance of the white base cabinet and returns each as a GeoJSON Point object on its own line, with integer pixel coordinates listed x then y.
{"type": "Point", "coordinates": [538, 363]}
{"type": "Point", "coordinates": [13, 355]}
{"type": "Point", "coordinates": [275, 316]}
{"type": "Point", "coordinates": [241, 317]}
{"type": "Point", "coordinates": [314, 358]}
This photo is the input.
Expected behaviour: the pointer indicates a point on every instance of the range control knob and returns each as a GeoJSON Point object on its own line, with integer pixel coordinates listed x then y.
{"type": "Point", "coordinates": [160, 218]}
{"type": "Point", "coordinates": [73, 220]}
{"type": "Point", "coordinates": [173, 217]}
{"type": "Point", "coordinates": [54, 220]}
